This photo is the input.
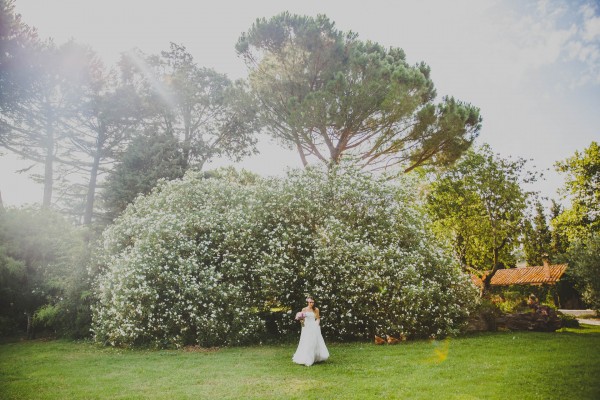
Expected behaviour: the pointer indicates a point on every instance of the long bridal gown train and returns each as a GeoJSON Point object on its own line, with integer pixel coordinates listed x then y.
{"type": "Point", "coordinates": [312, 347]}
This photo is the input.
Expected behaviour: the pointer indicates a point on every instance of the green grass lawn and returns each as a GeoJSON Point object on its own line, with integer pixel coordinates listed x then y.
{"type": "Point", "coordinates": [503, 365]}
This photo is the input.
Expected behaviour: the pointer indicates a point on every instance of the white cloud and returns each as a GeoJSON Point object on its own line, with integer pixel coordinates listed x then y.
{"type": "Point", "coordinates": [591, 24]}
{"type": "Point", "coordinates": [551, 34]}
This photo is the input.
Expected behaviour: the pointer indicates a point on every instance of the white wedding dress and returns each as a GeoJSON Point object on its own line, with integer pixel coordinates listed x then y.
{"type": "Point", "coordinates": [312, 347]}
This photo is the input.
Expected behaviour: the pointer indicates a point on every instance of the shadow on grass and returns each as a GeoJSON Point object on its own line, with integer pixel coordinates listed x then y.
{"type": "Point", "coordinates": [588, 330]}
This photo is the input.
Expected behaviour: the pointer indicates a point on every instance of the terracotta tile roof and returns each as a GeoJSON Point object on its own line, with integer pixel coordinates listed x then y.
{"type": "Point", "coordinates": [549, 274]}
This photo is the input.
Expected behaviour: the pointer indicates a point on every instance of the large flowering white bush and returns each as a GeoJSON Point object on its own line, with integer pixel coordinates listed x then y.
{"type": "Point", "coordinates": [204, 260]}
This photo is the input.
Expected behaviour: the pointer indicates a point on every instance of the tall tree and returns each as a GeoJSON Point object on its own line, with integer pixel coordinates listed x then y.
{"type": "Point", "coordinates": [210, 115]}
{"type": "Point", "coordinates": [107, 116]}
{"type": "Point", "coordinates": [537, 237]}
{"type": "Point", "coordinates": [584, 265]}
{"type": "Point", "coordinates": [479, 206]}
{"type": "Point", "coordinates": [583, 187]}
{"type": "Point", "coordinates": [36, 127]}
{"type": "Point", "coordinates": [577, 227]}
{"type": "Point", "coordinates": [327, 94]}
{"type": "Point", "coordinates": [148, 158]}
{"type": "Point", "coordinates": [18, 42]}
{"type": "Point", "coordinates": [559, 242]}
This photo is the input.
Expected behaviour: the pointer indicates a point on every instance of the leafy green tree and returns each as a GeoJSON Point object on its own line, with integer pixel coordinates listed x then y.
{"type": "Point", "coordinates": [583, 187]}
{"type": "Point", "coordinates": [576, 228]}
{"type": "Point", "coordinates": [479, 207]}
{"type": "Point", "coordinates": [327, 94]}
{"type": "Point", "coordinates": [209, 115]}
{"type": "Point", "coordinates": [559, 242]}
{"type": "Point", "coordinates": [537, 242]}
{"type": "Point", "coordinates": [584, 265]}
{"type": "Point", "coordinates": [147, 159]}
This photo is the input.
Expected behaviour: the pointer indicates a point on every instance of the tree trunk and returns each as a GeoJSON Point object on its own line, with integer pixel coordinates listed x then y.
{"type": "Point", "coordinates": [302, 155]}
{"type": "Point", "coordinates": [487, 281]}
{"type": "Point", "coordinates": [187, 140]}
{"type": "Point", "coordinates": [462, 256]}
{"type": "Point", "coordinates": [30, 326]}
{"type": "Point", "coordinates": [91, 193]}
{"type": "Point", "coordinates": [49, 164]}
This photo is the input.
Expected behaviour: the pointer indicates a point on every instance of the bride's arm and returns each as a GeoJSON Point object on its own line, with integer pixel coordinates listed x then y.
{"type": "Point", "coordinates": [317, 316]}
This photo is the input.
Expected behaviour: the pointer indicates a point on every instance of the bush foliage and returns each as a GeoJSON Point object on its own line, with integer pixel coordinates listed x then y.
{"type": "Point", "coordinates": [202, 261]}
{"type": "Point", "coordinates": [43, 278]}
{"type": "Point", "coordinates": [584, 261]}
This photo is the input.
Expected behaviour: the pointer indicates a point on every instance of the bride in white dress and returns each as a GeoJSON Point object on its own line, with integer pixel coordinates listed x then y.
{"type": "Point", "coordinates": [312, 347]}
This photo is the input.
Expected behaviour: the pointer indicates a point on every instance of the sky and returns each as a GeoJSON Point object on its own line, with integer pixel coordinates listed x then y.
{"type": "Point", "coordinates": [532, 67]}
